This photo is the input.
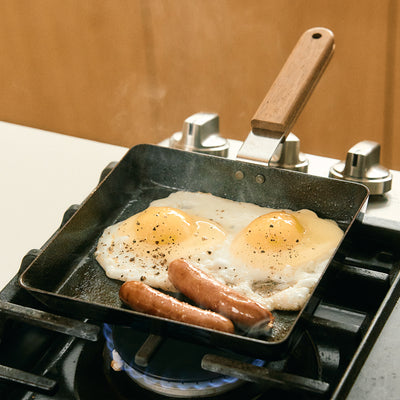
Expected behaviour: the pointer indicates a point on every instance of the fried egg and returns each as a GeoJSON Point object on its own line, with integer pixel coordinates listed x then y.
{"type": "Point", "coordinates": [274, 257]}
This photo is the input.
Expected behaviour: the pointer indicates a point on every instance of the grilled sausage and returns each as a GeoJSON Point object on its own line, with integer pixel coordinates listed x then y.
{"type": "Point", "coordinates": [144, 298]}
{"type": "Point", "coordinates": [211, 294]}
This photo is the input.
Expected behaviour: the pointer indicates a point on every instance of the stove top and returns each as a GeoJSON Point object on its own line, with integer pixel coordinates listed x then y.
{"type": "Point", "coordinates": [62, 358]}
{"type": "Point", "coordinates": [47, 356]}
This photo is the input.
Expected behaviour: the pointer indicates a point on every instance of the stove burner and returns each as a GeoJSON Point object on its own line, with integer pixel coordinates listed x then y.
{"type": "Point", "coordinates": [175, 368]}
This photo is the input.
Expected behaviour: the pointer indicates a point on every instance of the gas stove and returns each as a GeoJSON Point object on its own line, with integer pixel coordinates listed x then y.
{"type": "Point", "coordinates": [48, 356]}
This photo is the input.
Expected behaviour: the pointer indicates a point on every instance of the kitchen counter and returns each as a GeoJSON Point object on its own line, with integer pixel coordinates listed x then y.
{"type": "Point", "coordinates": [44, 173]}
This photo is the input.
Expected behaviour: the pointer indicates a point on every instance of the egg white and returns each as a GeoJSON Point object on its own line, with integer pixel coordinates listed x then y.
{"type": "Point", "coordinates": [281, 280]}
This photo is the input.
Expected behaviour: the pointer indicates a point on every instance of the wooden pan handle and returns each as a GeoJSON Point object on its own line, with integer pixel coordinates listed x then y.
{"type": "Point", "coordinates": [295, 82]}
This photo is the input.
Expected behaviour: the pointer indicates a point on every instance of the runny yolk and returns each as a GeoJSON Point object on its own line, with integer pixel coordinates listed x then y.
{"type": "Point", "coordinates": [273, 232]}
{"type": "Point", "coordinates": [160, 226]}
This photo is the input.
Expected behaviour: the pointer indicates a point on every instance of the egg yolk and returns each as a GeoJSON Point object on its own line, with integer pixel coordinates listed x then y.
{"type": "Point", "coordinates": [274, 231]}
{"type": "Point", "coordinates": [160, 225]}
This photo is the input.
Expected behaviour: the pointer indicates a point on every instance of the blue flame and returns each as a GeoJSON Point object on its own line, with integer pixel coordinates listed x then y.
{"type": "Point", "coordinates": [107, 332]}
{"type": "Point", "coordinates": [136, 375]}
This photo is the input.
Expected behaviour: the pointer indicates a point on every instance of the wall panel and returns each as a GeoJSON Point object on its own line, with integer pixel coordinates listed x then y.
{"type": "Point", "coordinates": [130, 71]}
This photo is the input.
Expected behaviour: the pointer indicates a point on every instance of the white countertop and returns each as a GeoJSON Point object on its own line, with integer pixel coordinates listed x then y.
{"type": "Point", "coordinates": [44, 173]}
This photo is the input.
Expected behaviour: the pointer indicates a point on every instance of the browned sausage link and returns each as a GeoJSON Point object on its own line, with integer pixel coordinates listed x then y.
{"type": "Point", "coordinates": [146, 299]}
{"type": "Point", "coordinates": [209, 293]}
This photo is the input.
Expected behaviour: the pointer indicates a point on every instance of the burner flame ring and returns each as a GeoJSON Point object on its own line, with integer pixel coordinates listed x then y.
{"type": "Point", "coordinates": [171, 387]}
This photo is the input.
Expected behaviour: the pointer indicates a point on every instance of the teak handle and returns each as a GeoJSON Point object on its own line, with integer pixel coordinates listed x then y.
{"type": "Point", "coordinates": [295, 82]}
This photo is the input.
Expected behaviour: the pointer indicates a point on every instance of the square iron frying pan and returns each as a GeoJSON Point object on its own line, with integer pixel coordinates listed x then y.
{"type": "Point", "coordinates": [67, 278]}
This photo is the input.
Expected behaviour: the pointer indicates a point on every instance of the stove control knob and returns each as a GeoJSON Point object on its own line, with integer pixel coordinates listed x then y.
{"type": "Point", "coordinates": [362, 165]}
{"type": "Point", "coordinates": [200, 134]}
{"type": "Point", "coordinates": [288, 156]}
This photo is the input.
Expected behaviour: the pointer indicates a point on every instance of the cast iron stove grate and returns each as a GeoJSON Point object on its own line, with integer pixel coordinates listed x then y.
{"type": "Point", "coordinates": [53, 357]}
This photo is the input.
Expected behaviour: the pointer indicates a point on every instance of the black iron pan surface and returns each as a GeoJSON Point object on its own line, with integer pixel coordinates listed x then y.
{"type": "Point", "coordinates": [66, 277]}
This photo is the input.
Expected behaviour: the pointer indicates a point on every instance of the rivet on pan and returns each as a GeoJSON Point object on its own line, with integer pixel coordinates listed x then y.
{"type": "Point", "coordinates": [239, 175]}
{"type": "Point", "coordinates": [260, 178]}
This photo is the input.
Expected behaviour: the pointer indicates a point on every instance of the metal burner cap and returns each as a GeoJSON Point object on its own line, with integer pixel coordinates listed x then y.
{"type": "Point", "coordinates": [362, 166]}
{"type": "Point", "coordinates": [288, 155]}
{"type": "Point", "coordinates": [200, 134]}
